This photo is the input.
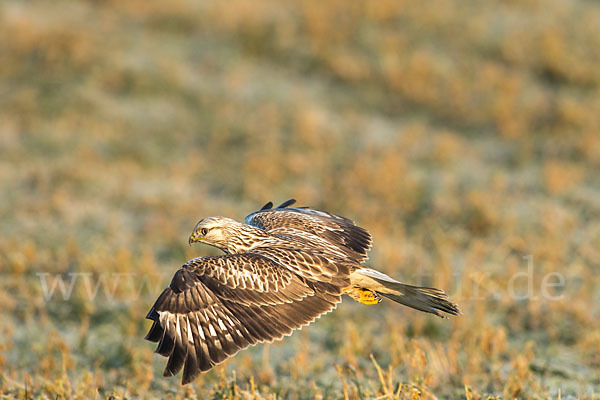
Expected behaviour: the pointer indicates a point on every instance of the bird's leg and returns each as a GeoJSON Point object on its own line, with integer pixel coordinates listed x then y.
{"type": "Point", "coordinates": [368, 297]}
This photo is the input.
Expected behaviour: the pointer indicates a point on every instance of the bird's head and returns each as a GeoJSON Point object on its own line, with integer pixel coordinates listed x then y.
{"type": "Point", "coordinates": [215, 231]}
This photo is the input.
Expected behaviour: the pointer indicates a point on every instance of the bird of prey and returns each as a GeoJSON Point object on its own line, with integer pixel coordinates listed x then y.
{"type": "Point", "coordinates": [282, 269]}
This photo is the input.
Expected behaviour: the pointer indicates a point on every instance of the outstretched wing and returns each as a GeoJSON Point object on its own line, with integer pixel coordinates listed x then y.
{"type": "Point", "coordinates": [341, 232]}
{"type": "Point", "coordinates": [216, 306]}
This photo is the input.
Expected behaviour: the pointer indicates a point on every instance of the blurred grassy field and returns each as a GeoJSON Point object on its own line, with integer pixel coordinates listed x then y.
{"type": "Point", "coordinates": [464, 135]}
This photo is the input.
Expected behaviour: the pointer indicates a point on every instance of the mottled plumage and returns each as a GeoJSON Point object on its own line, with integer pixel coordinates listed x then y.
{"type": "Point", "coordinates": [282, 269]}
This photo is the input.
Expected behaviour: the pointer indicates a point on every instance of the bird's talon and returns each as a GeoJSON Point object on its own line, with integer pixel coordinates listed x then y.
{"type": "Point", "coordinates": [368, 297]}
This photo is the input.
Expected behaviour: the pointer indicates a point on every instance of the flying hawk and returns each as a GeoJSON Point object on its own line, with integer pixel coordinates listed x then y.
{"type": "Point", "coordinates": [281, 270]}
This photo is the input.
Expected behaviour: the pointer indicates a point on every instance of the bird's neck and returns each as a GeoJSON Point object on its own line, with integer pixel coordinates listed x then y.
{"type": "Point", "coordinates": [248, 238]}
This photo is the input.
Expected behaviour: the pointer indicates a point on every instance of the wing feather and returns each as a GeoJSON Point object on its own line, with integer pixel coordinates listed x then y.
{"type": "Point", "coordinates": [267, 206]}
{"type": "Point", "coordinates": [340, 232]}
{"type": "Point", "coordinates": [180, 349]}
{"type": "Point", "coordinates": [286, 203]}
{"type": "Point", "coordinates": [216, 306]}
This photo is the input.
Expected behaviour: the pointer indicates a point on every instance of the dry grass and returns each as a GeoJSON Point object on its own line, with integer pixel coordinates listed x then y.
{"type": "Point", "coordinates": [464, 136]}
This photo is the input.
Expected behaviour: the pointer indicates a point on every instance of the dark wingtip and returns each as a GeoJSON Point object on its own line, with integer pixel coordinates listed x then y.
{"type": "Point", "coordinates": [287, 203]}
{"type": "Point", "coordinates": [185, 379]}
{"type": "Point", "coordinates": [152, 314]}
{"type": "Point", "coordinates": [267, 206]}
{"type": "Point", "coordinates": [155, 332]}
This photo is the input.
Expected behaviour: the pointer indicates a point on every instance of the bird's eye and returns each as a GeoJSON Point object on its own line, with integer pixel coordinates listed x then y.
{"type": "Point", "coordinates": [204, 231]}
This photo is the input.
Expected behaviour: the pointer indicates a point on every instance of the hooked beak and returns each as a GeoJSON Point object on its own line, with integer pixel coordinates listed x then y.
{"type": "Point", "coordinates": [195, 236]}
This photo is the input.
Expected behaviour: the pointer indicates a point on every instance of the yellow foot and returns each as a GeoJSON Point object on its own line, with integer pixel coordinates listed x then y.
{"type": "Point", "coordinates": [368, 297]}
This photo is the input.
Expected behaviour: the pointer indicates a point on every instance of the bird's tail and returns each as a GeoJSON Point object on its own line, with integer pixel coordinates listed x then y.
{"type": "Point", "coordinates": [425, 299]}
{"type": "Point", "coordinates": [430, 300]}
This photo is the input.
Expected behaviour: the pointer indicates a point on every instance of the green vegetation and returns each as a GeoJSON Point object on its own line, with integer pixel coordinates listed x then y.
{"type": "Point", "coordinates": [464, 135]}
